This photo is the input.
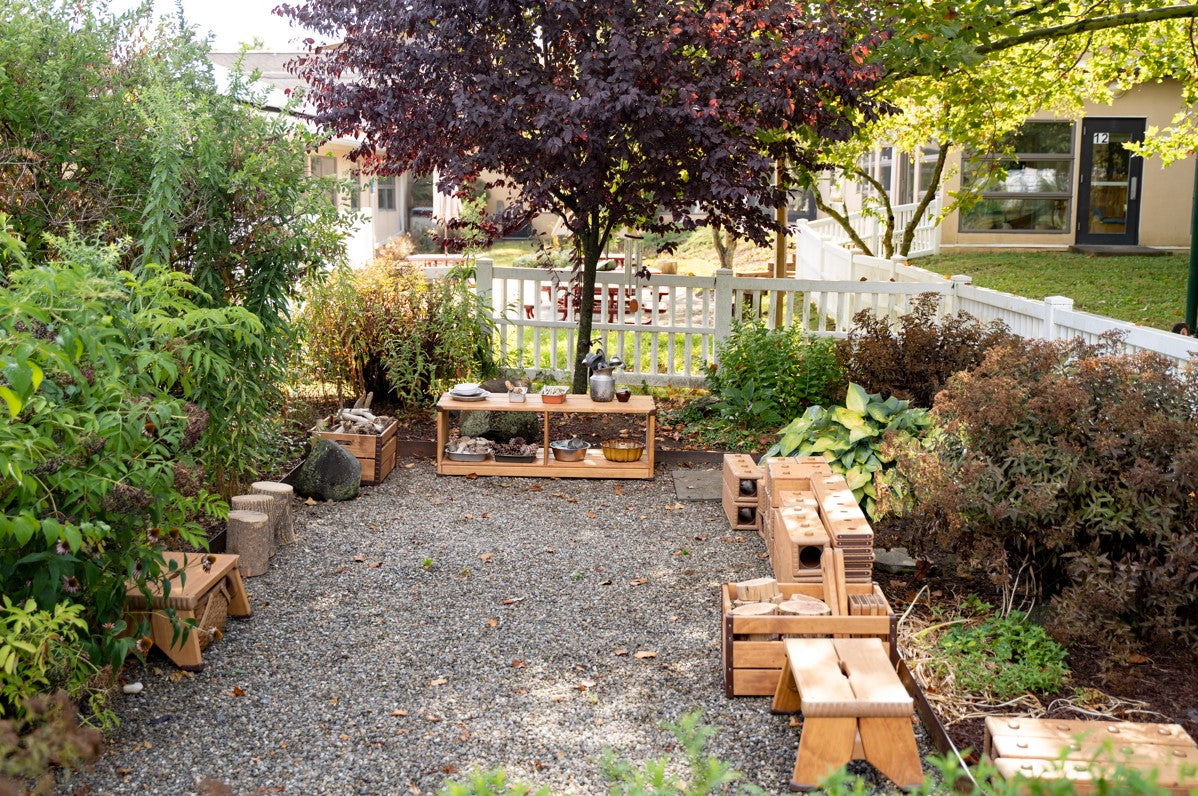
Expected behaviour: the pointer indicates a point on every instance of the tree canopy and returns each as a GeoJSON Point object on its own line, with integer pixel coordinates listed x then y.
{"type": "Point", "coordinates": [605, 112]}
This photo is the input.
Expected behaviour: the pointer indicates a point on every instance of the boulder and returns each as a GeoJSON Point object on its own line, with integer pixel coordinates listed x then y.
{"type": "Point", "coordinates": [329, 473]}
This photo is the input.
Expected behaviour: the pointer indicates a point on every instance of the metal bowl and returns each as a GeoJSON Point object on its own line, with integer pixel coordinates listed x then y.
{"type": "Point", "coordinates": [623, 450]}
{"type": "Point", "coordinates": [563, 452]}
{"type": "Point", "coordinates": [465, 457]}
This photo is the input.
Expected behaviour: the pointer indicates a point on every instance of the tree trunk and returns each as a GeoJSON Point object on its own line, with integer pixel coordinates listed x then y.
{"type": "Point", "coordinates": [843, 220]}
{"type": "Point", "coordinates": [929, 192]}
{"type": "Point", "coordinates": [249, 538]}
{"type": "Point", "coordinates": [725, 246]}
{"type": "Point", "coordinates": [281, 494]}
{"type": "Point", "coordinates": [264, 504]}
{"type": "Point", "coordinates": [591, 242]}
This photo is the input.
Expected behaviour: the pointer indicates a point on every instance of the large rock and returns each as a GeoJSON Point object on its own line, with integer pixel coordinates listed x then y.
{"type": "Point", "coordinates": [329, 473]}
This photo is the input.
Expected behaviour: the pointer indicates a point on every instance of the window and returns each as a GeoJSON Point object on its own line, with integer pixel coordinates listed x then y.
{"type": "Point", "coordinates": [928, 155]}
{"type": "Point", "coordinates": [1034, 193]}
{"type": "Point", "coordinates": [385, 190]}
{"type": "Point", "coordinates": [355, 193]}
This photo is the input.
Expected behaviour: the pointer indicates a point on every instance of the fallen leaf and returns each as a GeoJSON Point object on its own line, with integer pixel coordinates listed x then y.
{"type": "Point", "coordinates": [535, 488]}
{"type": "Point", "coordinates": [238, 692]}
{"type": "Point", "coordinates": [399, 713]}
{"type": "Point", "coordinates": [467, 516]}
{"type": "Point", "coordinates": [581, 687]}
{"type": "Point", "coordinates": [557, 698]}
{"type": "Point", "coordinates": [432, 718]}
{"type": "Point", "coordinates": [1136, 659]}
{"type": "Point", "coordinates": [492, 623]}
{"type": "Point", "coordinates": [439, 681]}
{"type": "Point", "coordinates": [675, 507]}
{"type": "Point", "coordinates": [486, 556]}
{"type": "Point", "coordinates": [436, 501]}
{"type": "Point", "coordinates": [465, 736]}
{"type": "Point", "coordinates": [409, 466]}
{"type": "Point", "coordinates": [638, 581]}
{"type": "Point", "coordinates": [375, 565]}
{"type": "Point", "coordinates": [415, 791]}
{"type": "Point", "coordinates": [472, 477]}
{"type": "Point", "coordinates": [621, 652]}
{"type": "Point", "coordinates": [618, 489]}
{"type": "Point", "coordinates": [517, 664]}
{"type": "Point", "coordinates": [485, 515]}
{"type": "Point", "coordinates": [605, 582]}
{"type": "Point", "coordinates": [700, 537]}
{"type": "Point", "coordinates": [512, 601]}
{"type": "Point", "coordinates": [644, 655]}
{"type": "Point", "coordinates": [344, 737]}
{"type": "Point", "coordinates": [550, 551]}
{"type": "Point", "coordinates": [794, 722]}
{"type": "Point", "coordinates": [588, 683]}
{"type": "Point", "coordinates": [591, 515]}
{"type": "Point", "coordinates": [309, 502]}
{"type": "Point", "coordinates": [334, 701]}
{"type": "Point", "coordinates": [674, 617]}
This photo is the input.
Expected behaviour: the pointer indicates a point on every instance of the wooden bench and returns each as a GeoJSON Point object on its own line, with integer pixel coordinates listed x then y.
{"type": "Point", "coordinates": [1086, 751]}
{"type": "Point", "coordinates": [189, 584]}
{"type": "Point", "coordinates": [854, 708]}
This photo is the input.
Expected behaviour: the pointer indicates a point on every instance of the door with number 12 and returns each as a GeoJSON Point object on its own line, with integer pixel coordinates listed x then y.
{"type": "Point", "coordinates": [1108, 185]}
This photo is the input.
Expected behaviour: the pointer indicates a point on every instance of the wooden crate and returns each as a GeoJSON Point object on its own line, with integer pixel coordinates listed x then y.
{"type": "Point", "coordinates": [1035, 748]}
{"type": "Point", "coordinates": [375, 452]}
{"type": "Point", "coordinates": [752, 668]}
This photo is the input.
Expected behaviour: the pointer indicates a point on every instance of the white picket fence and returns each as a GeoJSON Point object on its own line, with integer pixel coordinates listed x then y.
{"type": "Point", "coordinates": [667, 329]}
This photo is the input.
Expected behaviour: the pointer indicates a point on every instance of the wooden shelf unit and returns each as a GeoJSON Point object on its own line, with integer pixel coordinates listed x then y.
{"type": "Point", "coordinates": [545, 466]}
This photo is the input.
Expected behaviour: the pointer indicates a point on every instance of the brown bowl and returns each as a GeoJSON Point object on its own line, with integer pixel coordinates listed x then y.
{"type": "Point", "coordinates": [623, 394]}
{"type": "Point", "coordinates": [623, 450]}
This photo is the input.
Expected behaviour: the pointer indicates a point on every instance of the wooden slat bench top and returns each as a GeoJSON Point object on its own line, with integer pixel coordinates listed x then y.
{"type": "Point", "coordinates": [188, 583]}
{"type": "Point", "coordinates": [848, 678]}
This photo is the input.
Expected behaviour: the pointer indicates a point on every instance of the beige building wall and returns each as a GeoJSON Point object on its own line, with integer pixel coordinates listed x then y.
{"type": "Point", "coordinates": [1166, 192]}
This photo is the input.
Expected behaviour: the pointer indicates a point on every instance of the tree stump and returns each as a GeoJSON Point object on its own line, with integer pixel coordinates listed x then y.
{"type": "Point", "coordinates": [282, 493]}
{"type": "Point", "coordinates": [802, 605]}
{"type": "Point", "coordinates": [264, 504]}
{"type": "Point", "coordinates": [756, 609]}
{"type": "Point", "coordinates": [249, 537]}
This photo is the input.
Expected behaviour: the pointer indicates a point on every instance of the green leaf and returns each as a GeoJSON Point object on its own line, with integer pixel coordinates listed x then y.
{"type": "Point", "coordinates": [36, 375]}
{"type": "Point", "coordinates": [23, 528]}
{"type": "Point", "coordinates": [849, 418]}
{"type": "Point", "coordinates": [856, 478]}
{"type": "Point", "coordinates": [13, 402]}
{"type": "Point", "coordinates": [856, 398]}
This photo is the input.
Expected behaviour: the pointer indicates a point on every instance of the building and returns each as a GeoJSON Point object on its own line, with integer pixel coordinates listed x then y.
{"type": "Point", "coordinates": [1070, 182]}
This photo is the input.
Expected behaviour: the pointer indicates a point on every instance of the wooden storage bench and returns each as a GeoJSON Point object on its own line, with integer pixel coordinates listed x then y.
{"type": "Point", "coordinates": [752, 668]}
{"type": "Point", "coordinates": [197, 576]}
{"type": "Point", "coordinates": [1034, 748]}
{"type": "Point", "coordinates": [375, 452]}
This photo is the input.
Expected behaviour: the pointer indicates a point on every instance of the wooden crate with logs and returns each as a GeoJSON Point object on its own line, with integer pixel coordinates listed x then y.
{"type": "Point", "coordinates": [369, 437]}
{"type": "Point", "coordinates": [759, 615]}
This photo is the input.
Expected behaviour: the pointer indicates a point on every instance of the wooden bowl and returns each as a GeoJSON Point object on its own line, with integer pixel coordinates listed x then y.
{"type": "Point", "coordinates": [623, 450]}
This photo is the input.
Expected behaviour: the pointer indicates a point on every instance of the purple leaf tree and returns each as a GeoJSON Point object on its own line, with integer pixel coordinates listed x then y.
{"type": "Point", "coordinates": [607, 113]}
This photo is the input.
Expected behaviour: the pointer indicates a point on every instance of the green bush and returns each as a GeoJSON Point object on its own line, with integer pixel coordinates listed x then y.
{"type": "Point", "coordinates": [766, 375]}
{"type": "Point", "coordinates": [109, 379]}
{"type": "Point", "coordinates": [1002, 657]}
{"type": "Point", "coordinates": [1072, 469]}
{"type": "Point", "coordinates": [913, 358]}
{"type": "Point", "coordinates": [390, 331]}
{"type": "Point", "coordinates": [46, 738]}
{"type": "Point", "coordinates": [852, 437]}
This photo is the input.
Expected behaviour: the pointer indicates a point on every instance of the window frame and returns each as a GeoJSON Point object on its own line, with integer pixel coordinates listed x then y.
{"type": "Point", "coordinates": [1029, 157]}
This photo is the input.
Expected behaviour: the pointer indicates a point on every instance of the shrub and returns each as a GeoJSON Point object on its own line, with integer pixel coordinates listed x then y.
{"type": "Point", "coordinates": [851, 438]}
{"type": "Point", "coordinates": [36, 648]}
{"type": "Point", "coordinates": [386, 329]}
{"type": "Point", "coordinates": [1003, 657]}
{"type": "Point", "coordinates": [1076, 468]}
{"type": "Point", "coordinates": [914, 357]}
{"type": "Point", "coordinates": [109, 379]}
{"type": "Point", "coordinates": [781, 368]}
{"type": "Point", "coordinates": [48, 736]}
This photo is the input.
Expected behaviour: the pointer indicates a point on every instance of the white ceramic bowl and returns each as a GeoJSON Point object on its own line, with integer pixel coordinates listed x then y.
{"type": "Point", "coordinates": [465, 388]}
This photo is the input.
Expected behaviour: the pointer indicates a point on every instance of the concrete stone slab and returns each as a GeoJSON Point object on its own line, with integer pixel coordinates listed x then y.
{"type": "Point", "coordinates": [698, 484]}
{"type": "Point", "coordinates": [896, 561]}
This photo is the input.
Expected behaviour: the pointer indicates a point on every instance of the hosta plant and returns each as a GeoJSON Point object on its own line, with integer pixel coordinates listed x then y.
{"type": "Point", "coordinates": [850, 437]}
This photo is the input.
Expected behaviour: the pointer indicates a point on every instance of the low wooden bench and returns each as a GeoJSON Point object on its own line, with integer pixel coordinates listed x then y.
{"type": "Point", "coordinates": [854, 708]}
{"type": "Point", "coordinates": [1086, 751]}
{"type": "Point", "coordinates": [189, 585]}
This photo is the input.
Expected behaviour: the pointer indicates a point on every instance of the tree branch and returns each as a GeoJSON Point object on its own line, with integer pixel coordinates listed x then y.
{"type": "Point", "coordinates": [1087, 25]}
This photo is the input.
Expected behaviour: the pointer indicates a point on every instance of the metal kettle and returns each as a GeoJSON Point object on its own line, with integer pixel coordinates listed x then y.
{"type": "Point", "coordinates": [602, 383]}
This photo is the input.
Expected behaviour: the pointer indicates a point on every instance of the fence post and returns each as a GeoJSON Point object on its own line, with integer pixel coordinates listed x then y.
{"type": "Point", "coordinates": [953, 305]}
{"type": "Point", "coordinates": [1053, 305]}
{"type": "Point", "coordinates": [484, 275]}
{"type": "Point", "coordinates": [895, 262]}
{"type": "Point", "coordinates": [723, 308]}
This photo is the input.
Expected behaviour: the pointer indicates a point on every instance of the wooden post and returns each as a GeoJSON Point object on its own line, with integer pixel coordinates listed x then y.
{"type": "Point", "coordinates": [284, 525]}
{"type": "Point", "coordinates": [723, 306]}
{"type": "Point", "coordinates": [249, 538]}
{"type": "Point", "coordinates": [263, 504]}
{"type": "Point", "coordinates": [777, 296]}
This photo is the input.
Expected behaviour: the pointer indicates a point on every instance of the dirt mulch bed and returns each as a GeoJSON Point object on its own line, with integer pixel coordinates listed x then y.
{"type": "Point", "coordinates": [1164, 682]}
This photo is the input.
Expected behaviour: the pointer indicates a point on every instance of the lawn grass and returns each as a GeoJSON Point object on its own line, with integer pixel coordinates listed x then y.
{"type": "Point", "coordinates": [1150, 291]}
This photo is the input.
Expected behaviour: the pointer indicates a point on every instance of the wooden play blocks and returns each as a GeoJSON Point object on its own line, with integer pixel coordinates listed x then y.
{"type": "Point", "coordinates": [742, 480]}
{"type": "Point", "coordinates": [205, 587]}
{"type": "Point", "coordinates": [1085, 751]}
{"type": "Point", "coordinates": [854, 707]}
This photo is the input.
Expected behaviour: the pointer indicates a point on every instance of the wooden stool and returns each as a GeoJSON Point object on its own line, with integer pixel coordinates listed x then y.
{"type": "Point", "coordinates": [188, 586]}
{"type": "Point", "coordinates": [1086, 751]}
{"type": "Point", "coordinates": [854, 708]}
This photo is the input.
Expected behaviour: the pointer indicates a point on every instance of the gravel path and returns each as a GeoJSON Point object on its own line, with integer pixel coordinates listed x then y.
{"type": "Point", "coordinates": [437, 624]}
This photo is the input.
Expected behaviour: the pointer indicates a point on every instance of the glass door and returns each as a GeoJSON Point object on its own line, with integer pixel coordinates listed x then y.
{"type": "Point", "coordinates": [1108, 206]}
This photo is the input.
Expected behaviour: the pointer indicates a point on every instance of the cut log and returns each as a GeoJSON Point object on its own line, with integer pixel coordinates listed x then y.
{"type": "Point", "coordinates": [756, 609]}
{"type": "Point", "coordinates": [757, 590]}
{"type": "Point", "coordinates": [249, 538]}
{"type": "Point", "coordinates": [283, 494]}
{"type": "Point", "coordinates": [264, 504]}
